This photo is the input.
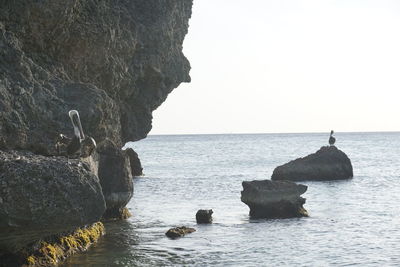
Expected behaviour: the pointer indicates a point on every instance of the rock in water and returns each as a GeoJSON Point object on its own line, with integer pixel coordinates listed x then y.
{"type": "Point", "coordinates": [41, 196]}
{"type": "Point", "coordinates": [328, 163]}
{"type": "Point", "coordinates": [204, 216]}
{"type": "Point", "coordinates": [274, 199]}
{"type": "Point", "coordinates": [136, 165]}
{"type": "Point", "coordinates": [179, 231]}
{"type": "Point", "coordinates": [115, 178]}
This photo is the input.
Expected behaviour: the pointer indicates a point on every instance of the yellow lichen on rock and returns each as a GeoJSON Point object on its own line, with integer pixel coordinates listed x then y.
{"type": "Point", "coordinates": [125, 214]}
{"type": "Point", "coordinates": [31, 261]}
{"type": "Point", "coordinates": [51, 253]}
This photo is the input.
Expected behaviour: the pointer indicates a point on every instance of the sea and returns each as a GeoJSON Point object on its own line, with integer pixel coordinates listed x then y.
{"type": "Point", "coordinates": [354, 222]}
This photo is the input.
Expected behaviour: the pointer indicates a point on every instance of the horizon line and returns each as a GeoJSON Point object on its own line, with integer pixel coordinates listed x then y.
{"type": "Point", "coordinates": [163, 134]}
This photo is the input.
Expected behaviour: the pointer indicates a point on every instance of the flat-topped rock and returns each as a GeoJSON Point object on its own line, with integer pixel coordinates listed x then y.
{"type": "Point", "coordinates": [274, 199]}
{"type": "Point", "coordinates": [328, 163]}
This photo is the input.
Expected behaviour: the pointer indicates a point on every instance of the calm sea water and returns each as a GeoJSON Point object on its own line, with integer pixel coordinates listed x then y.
{"type": "Point", "coordinates": [354, 222]}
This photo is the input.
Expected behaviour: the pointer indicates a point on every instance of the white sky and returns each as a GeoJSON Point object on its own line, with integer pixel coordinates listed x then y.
{"type": "Point", "coordinates": [261, 66]}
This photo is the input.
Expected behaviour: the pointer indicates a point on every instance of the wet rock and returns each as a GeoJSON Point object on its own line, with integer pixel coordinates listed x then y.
{"type": "Point", "coordinates": [113, 61]}
{"type": "Point", "coordinates": [54, 249]}
{"type": "Point", "coordinates": [41, 196]}
{"type": "Point", "coordinates": [328, 163]}
{"type": "Point", "coordinates": [274, 199]}
{"type": "Point", "coordinates": [179, 231]}
{"type": "Point", "coordinates": [204, 216]}
{"type": "Point", "coordinates": [115, 178]}
{"type": "Point", "coordinates": [136, 165]}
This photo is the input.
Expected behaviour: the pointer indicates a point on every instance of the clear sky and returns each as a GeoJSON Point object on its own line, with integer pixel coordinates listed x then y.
{"type": "Point", "coordinates": [261, 66]}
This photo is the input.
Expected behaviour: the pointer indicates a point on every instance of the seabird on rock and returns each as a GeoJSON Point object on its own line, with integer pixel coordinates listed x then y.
{"type": "Point", "coordinates": [332, 139]}
{"type": "Point", "coordinates": [86, 145]}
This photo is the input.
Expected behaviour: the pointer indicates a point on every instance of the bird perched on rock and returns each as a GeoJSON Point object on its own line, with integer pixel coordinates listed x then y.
{"type": "Point", "coordinates": [332, 139]}
{"type": "Point", "coordinates": [85, 145]}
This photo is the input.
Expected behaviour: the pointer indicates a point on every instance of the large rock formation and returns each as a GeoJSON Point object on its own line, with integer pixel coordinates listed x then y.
{"type": "Point", "coordinates": [274, 199]}
{"type": "Point", "coordinates": [113, 61]}
{"type": "Point", "coordinates": [328, 163]}
{"type": "Point", "coordinates": [41, 196]}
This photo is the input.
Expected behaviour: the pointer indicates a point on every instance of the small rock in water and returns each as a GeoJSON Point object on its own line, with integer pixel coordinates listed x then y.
{"type": "Point", "coordinates": [328, 163]}
{"type": "Point", "coordinates": [274, 199]}
{"type": "Point", "coordinates": [136, 165]}
{"type": "Point", "coordinates": [179, 231]}
{"type": "Point", "coordinates": [204, 216]}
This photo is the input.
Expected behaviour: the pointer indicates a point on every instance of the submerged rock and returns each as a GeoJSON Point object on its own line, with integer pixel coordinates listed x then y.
{"type": "Point", "coordinates": [328, 163]}
{"type": "Point", "coordinates": [274, 199]}
{"type": "Point", "coordinates": [204, 216]}
{"type": "Point", "coordinates": [179, 231]}
{"type": "Point", "coordinates": [41, 196]}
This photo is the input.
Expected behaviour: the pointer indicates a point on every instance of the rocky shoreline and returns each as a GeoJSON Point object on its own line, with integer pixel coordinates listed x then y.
{"type": "Point", "coordinates": [114, 62]}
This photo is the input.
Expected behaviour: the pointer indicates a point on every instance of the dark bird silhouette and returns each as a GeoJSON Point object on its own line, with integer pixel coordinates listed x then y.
{"type": "Point", "coordinates": [80, 142]}
{"type": "Point", "coordinates": [332, 139]}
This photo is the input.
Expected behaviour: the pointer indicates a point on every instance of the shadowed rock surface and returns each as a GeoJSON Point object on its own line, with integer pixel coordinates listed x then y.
{"type": "Point", "coordinates": [136, 165]}
{"type": "Point", "coordinates": [328, 163]}
{"type": "Point", "coordinates": [204, 216]}
{"type": "Point", "coordinates": [274, 199]}
{"type": "Point", "coordinates": [113, 61]}
{"type": "Point", "coordinates": [115, 178]}
{"type": "Point", "coordinates": [40, 196]}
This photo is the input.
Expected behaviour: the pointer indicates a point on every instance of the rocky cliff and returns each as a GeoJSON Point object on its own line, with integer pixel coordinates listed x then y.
{"type": "Point", "coordinates": [114, 61]}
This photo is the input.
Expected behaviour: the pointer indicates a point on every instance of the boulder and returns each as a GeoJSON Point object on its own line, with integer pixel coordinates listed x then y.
{"type": "Point", "coordinates": [41, 196]}
{"type": "Point", "coordinates": [136, 165]}
{"type": "Point", "coordinates": [115, 178]}
{"type": "Point", "coordinates": [204, 216]}
{"type": "Point", "coordinates": [328, 163]}
{"type": "Point", "coordinates": [179, 231]}
{"type": "Point", "coordinates": [274, 199]}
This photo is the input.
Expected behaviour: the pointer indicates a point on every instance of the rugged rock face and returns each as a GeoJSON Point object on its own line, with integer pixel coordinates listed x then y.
{"type": "Point", "coordinates": [274, 199]}
{"type": "Point", "coordinates": [328, 163]}
{"type": "Point", "coordinates": [40, 196]}
{"type": "Point", "coordinates": [113, 61]}
{"type": "Point", "coordinates": [115, 178]}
